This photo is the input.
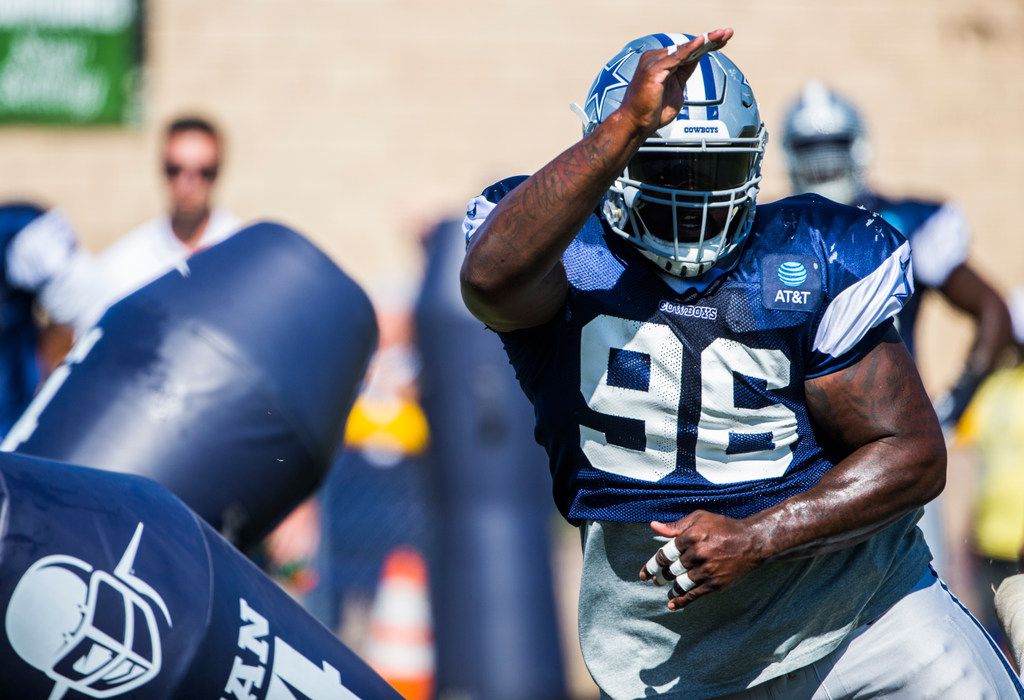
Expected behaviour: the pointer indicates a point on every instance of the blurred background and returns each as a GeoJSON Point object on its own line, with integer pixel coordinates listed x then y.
{"type": "Point", "coordinates": [356, 121]}
{"type": "Point", "coordinates": [365, 123]}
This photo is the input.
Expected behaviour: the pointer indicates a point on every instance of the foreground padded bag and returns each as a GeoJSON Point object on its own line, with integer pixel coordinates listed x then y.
{"type": "Point", "coordinates": [111, 587]}
{"type": "Point", "coordinates": [227, 381]}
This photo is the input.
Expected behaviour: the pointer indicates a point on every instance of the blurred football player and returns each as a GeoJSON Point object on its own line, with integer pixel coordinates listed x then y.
{"type": "Point", "coordinates": [732, 374]}
{"type": "Point", "coordinates": [45, 278]}
{"type": "Point", "coordinates": [827, 152]}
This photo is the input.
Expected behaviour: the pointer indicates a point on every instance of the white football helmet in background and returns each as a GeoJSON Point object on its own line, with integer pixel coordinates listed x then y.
{"type": "Point", "coordinates": [827, 150]}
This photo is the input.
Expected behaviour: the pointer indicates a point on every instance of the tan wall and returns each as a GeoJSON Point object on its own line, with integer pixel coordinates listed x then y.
{"type": "Point", "coordinates": [352, 118]}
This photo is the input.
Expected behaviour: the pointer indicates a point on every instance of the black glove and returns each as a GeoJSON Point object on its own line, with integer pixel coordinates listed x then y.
{"type": "Point", "coordinates": [951, 405]}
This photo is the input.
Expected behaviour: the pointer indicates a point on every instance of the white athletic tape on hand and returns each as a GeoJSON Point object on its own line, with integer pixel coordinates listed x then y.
{"type": "Point", "coordinates": [682, 585]}
{"type": "Point", "coordinates": [671, 553]}
{"type": "Point", "coordinates": [677, 568]}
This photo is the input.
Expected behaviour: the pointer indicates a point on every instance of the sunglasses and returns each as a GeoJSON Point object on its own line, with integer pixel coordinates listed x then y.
{"type": "Point", "coordinates": [173, 170]}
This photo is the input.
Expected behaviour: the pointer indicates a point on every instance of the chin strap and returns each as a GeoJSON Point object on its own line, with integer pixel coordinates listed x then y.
{"type": "Point", "coordinates": [677, 268]}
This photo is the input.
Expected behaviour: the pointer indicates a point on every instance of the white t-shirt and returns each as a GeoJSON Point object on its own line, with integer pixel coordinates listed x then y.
{"type": "Point", "coordinates": [148, 252]}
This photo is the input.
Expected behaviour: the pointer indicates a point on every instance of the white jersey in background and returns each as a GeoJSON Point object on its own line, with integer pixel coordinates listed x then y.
{"type": "Point", "coordinates": [148, 252]}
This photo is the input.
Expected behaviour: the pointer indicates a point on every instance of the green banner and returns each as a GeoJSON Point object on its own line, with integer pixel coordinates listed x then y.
{"type": "Point", "coordinates": [69, 61]}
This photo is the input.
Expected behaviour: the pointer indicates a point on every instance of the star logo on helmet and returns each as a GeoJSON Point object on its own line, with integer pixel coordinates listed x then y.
{"type": "Point", "coordinates": [609, 79]}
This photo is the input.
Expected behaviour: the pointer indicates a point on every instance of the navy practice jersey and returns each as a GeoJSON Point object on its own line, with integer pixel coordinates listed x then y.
{"type": "Point", "coordinates": [652, 404]}
{"type": "Point", "coordinates": [939, 237]}
{"type": "Point", "coordinates": [19, 373]}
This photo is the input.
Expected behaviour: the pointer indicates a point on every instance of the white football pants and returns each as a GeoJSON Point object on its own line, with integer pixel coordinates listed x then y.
{"type": "Point", "coordinates": [925, 646]}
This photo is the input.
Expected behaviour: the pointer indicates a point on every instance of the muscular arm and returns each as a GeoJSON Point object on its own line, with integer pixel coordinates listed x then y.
{"type": "Point", "coordinates": [878, 414]}
{"type": "Point", "coordinates": [875, 412]}
{"type": "Point", "coordinates": [512, 276]}
{"type": "Point", "coordinates": [970, 293]}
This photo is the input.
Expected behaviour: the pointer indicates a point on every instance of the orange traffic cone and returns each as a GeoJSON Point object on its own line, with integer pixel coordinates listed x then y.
{"type": "Point", "coordinates": [401, 641]}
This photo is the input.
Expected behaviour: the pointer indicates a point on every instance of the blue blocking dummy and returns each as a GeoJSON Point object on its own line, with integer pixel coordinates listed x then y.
{"type": "Point", "coordinates": [19, 373]}
{"type": "Point", "coordinates": [111, 587]}
{"type": "Point", "coordinates": [491, 579]}
{"type": "Point", "coordinates": [227, 381]}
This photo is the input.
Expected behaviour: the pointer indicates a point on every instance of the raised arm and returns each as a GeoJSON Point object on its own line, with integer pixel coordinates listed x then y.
{"type": "Point", "coordinates": [878, 414]}
{"type": "Point", "coordinates": [513, 276]}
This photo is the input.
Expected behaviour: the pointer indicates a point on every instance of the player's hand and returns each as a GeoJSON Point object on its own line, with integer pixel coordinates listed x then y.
{"type": "Point", "coordinates": [707, 552]}
{"type": "Point", "coordinates": [655, 94]}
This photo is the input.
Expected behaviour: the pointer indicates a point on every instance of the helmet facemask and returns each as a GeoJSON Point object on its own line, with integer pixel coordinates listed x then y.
{"type": "Point", "coordinates": [687, 204]}
{"type": "Point", "coordinates": [829, 167]}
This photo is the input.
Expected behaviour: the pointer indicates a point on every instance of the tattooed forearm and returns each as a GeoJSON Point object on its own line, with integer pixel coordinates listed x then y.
{"type": "Point", "coordinates": [513, 272]}
{"type": "Point", "coordinates": [877, 414]}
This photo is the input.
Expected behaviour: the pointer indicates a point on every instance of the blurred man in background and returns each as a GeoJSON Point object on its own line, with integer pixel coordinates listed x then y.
{"type": "Point", "coordinates": [192, 156]}
{"type": "Point", "coordinates": [827, 153]}
{"type": "Point", "coordinates": [45, 280]}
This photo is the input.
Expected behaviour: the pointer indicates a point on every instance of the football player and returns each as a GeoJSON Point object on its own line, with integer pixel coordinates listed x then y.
{"type": "Point", "coordinates": [827, 152]}
{"type": "Point", "coordinates": [726, 405]}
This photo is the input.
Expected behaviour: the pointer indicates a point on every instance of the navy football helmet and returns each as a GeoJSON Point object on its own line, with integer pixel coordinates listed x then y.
{"type": "Point", "coordinates": [826, 145]}
{"type": "Point", "coordinates": [686, 199]}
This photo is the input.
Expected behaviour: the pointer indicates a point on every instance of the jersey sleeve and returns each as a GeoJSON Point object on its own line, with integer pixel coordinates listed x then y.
{"type": "Point", "coordinates": [940, 245]}
{"type": "Point", "coordinates": [528, 349]}
{"type": "Point", "coordinates": [869, 276]}
{"type": "Point", "coordinates": [40, 251]}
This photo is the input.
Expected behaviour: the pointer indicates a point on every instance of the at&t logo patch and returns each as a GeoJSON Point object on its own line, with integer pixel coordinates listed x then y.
{"type": "Point", "coordinates": [792, 274]}
{"type": "Point", "coordinates": [791, 283]}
